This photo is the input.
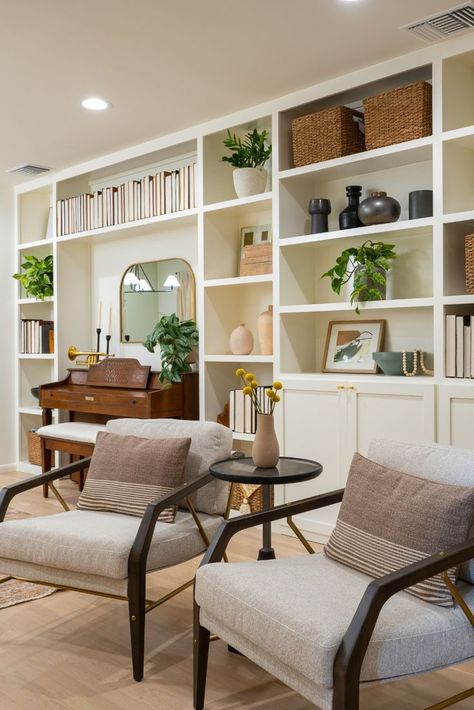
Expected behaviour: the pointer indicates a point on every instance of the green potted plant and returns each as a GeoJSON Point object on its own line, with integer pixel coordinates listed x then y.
{"type": "Point", "coordinates": [249, 155]}
{"type": "Point", "coordinates": [367, 265]}
{"type": "Point", "coordinates": [176, 339]}
{"type": "Point", "coordinates": [36, 276]}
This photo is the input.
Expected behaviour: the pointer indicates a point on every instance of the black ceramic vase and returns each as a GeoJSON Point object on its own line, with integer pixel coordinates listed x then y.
{"type": "Point", "coordinates": [379, 209]}
{"type": "Point", "coordinates": [348, 219]}
{"type": "Point", "coordinates": [319, 209]}
{"type": "Point", "coordinates": [420, 204]}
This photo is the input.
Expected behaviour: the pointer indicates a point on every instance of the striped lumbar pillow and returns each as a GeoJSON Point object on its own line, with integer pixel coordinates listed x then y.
{"type": "Point", "coordinates": [128, 472]}
{"type": "Point", "coordinates": [390, 519]}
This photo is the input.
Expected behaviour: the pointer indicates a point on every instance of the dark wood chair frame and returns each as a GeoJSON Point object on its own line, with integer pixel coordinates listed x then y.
{"type": "Point", "coordinates": [351, 652]}
{"type": "Point", "coordinates": [138, 605]}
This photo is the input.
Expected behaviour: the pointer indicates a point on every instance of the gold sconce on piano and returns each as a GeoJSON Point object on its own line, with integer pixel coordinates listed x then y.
{"type": "Point", "coordinates": [90, 357]}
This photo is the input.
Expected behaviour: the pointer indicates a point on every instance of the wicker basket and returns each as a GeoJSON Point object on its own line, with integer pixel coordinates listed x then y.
{"type": "Point", "coordinates": [250, 494]}
{"type": "Point", "coordinates": [325, 135]}
{"type": "Point", "coordinates": [469, 262]}
{"type": "Point", "coordinates": [34, 448]}
{"type": "Point", "coordinates": [398, 115]}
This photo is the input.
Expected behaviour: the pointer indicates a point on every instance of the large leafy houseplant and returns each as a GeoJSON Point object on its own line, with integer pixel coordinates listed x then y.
{"type": "Point", "coordinates": [36, 276]}
{"type": "Point", "coordinates": [176, 339]}
{"type": "Point", "coordinates": [368, 266]}
{"type": "Point", "coordinates": [250, 151]}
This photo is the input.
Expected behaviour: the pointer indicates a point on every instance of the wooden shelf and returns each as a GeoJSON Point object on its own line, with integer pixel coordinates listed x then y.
{"type": "Point", "coordinates": [35, 245]}
{"type": "Point", "coordinates": [238, 436]}
{"type": "Point", "coordinates": [38, 356]}
{"type": "Point", "coordinates": [239, 281]}
{"type": "Point", "coordinates": [239, 202]}
{"type": "Point", "coordinates": [34, 411]}
{"type": "Point", "coordinates": [462, 299]}
{"type": "Point", "coordinates": [34, 301]}
{"type": "Point", "coordinates": [239, 358]}
{"type": "Point", "coordinates": [408, 225]}
{"type": "Point", "coordinates": [365, 306]}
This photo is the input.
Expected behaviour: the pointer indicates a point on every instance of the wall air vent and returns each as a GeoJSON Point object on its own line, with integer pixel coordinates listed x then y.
{"type": "Point", "coordinates": [28, 169]}
{"type": "Point", "coordinates": [444, 24]}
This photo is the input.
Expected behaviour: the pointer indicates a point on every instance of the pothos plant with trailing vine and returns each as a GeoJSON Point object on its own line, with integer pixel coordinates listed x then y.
{"type": "Point", "coordinates": [36, 276]}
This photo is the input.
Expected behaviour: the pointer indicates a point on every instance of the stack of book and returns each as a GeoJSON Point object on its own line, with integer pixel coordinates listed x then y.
{"type": "Point", "coordinates": [37, 337]}
{"type": "Point", "coordinates": [459, 346]}
{"type": "Point", "coordinates": [242, 413]}
{"type": "Point", "coordinates": [152, 196]}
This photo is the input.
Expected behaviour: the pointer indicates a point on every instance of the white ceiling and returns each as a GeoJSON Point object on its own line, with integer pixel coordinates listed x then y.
{"type": "Point", "coordinates": [169, 64]}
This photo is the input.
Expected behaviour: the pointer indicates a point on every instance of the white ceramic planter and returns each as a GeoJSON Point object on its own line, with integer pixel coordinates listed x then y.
{"type": "Point", "coordinates": [249, 181]}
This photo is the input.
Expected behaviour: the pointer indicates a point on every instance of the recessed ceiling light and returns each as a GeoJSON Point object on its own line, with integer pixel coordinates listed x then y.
{"type": "Point", "coordinates": [95, 104]}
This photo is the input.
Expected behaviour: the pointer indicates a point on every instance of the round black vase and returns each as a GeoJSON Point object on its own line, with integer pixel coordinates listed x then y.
{"type": "Point", "coordinates": [349, 218]}
{"type": "Point", "coordinates": [379, 209]}
{"type": "Point", "coordinates": [420, 204]}
{"type": "Point", "coordinates": [319, 209]}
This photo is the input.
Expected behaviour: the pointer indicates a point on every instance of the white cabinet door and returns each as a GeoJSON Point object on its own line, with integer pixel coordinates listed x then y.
{"type": "Point", "coordinates": [314, 416]}
{"type": "Point", "coordinates": [404, 412]}
{"type": "Point", "coordinates": [456, 415]}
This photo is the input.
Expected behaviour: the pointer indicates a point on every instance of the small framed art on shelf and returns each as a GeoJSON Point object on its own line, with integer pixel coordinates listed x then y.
{"type": "Point", "coordinates": [350, 344]}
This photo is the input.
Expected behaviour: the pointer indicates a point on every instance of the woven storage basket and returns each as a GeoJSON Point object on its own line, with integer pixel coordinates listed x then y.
{"type": "Point", "coordinates": [469, 262]}
{"type": "Point", "coordinates": [252, 493]}
{"type": "Point", "coordinates": [34, 448]}
{"type": "Point", "coordinates": [325, 135]}
{"type": "Point", "coordinates": [398, 115]}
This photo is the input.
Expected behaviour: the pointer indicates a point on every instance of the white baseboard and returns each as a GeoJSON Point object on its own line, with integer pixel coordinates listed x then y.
{"type": "Point", "coordinates": [314, 531]}
{"type": "Point", "coordinates": [26, 467]}
{"type": "Point", "coordinates": [8, 467]}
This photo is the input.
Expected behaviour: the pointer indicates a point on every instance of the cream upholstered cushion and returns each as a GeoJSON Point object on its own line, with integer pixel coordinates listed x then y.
{"type": "Point", "coordinates": [72, 431]}
{"type": "Point", "coordinates": [96, 543]}
{"type": "Point", "coordinates": [297, 610]}
{"type": "Point", "coordinates": [210, 442]}
{"type": "Point", "coordinates": [436, 462]}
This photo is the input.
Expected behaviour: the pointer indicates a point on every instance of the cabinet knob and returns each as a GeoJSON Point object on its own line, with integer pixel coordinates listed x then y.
{"type": "Point", "coordinates": [350, 387]}
{"type": "Point", "coordinates": [339, 387]}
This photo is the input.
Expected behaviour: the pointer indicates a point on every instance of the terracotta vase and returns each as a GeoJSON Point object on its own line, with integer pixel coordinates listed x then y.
{"type": "Point", "coordinates": [265, 331]}
{"type": "Point", "coordinates": [265, 449]}
{"type": "Point", "coordinates": [241, 340]}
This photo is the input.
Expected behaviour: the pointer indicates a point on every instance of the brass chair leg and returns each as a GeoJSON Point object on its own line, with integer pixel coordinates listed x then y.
{"type": "Point", "coordinates": [300, 535]}
{"type": "Point", "coordinates": [452, 700]}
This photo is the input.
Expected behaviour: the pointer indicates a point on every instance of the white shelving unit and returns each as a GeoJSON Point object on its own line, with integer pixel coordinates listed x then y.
{"type": "Point", "coordinates": [323, 416]}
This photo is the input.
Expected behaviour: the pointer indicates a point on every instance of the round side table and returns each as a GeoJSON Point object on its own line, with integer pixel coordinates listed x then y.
{"type": "Point", "coordinates": [287, 470]}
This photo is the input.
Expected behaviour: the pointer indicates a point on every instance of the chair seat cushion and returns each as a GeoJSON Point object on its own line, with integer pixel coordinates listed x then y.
{"type": "Point", "coordinates": [99, 543]}
{"type": "Point", "coordinates": [298, 610]}
{"type": "Point", "coordinates": [72, 431]}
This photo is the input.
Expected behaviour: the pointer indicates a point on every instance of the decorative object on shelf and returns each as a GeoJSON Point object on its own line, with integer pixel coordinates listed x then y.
{"type": "Point", "coordinates": [241, 340]}
{"type": "Point", "coordinates": [37, 276]}
{"type": "Point", "coordinates": [265, 331]}
{"type": "Point", "coordinates": [319, 209]}
{"type": "Point", "coordinates": [34, 448]}
{"type": "Point", "coordinates": [91, 357]}
{"type": "Point", "coordinates": [36, 336]}
{"type": "Point", "coordinates": [349, 217]}
{"type": "Point", "coordinates": [350, 346]}
{"type": "Point", "coordinates": [408, 363]}
{"type": "Point", "coordinates": [420, 204]}
{"type": "Point", "coordinates": [398, 115]}
{"type": "Point", "coordinates": [223, 417]}
{"type": "Point", "coordinates": [256, 260]}
{"type": "Point", "coordinates": [176, 339]}
{"type": "Point", "coordinates": [368, 266]}
{"type": "Point", "coordinates": [378, 208]}
{"type": "Point", "coordinates": [249, 155]}
{"type": "Point", "coordinates": [265, 449]}
{"type": "Point", "coordinates": [327, 134]}
{"type": "Point", "coordinates": [251, 236]}
{"type": "Point", "coordinates": [469, 262]}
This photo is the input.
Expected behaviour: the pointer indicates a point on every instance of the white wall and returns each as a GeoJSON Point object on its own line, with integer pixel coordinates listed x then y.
{"type": "Point", "coordinates": [7, 330]}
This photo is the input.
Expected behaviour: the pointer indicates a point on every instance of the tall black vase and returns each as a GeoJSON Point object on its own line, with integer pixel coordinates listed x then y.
{"type": "Point", "coordinates": [349, 218]}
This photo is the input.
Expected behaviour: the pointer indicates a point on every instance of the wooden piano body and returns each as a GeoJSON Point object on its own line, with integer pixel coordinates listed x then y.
{"type": "Point", "coordinates": [114, 388]}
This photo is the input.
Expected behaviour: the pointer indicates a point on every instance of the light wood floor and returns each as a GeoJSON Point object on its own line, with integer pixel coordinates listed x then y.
{"type": "Point", "coordinates": [71, 651]}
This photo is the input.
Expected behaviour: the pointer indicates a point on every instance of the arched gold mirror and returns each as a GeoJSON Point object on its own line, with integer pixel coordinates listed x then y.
{"type": "Point", "coordinates": [152, 289]}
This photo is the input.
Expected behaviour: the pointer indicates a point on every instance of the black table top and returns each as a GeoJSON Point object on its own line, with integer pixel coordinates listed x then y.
{"type": "Point", "coordinates": [287, 470]}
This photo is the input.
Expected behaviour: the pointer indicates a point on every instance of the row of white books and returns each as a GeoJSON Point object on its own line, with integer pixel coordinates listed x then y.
{"type": "Point", "coordinates": [459, 346]}
{"type": "Point", "coordinates": [242, 412]}
{"type": "Point", "coordinates": [36, 337]}
{"type": "Point", "coordinates": [152, 196]}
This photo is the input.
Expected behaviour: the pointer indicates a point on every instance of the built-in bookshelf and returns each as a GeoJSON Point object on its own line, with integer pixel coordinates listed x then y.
{"type": "Point", "coordinates": [425, 284]}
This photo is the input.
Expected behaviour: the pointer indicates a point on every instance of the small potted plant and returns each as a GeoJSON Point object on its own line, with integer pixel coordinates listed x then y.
{"type": "Point", "coordinates": [265, 449]}
{"type": "Point", "coordinates": [37, 276]}
{"type": "Point", "coordinates": [367, 265]}
{"type": "Point", "coordinates": [249, 155]}
{"type": "Point", "coordinates": [176, 339]}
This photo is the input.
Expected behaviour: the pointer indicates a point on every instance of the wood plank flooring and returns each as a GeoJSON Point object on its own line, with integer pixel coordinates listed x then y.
{"type": "Point", "coordinates": [71, 651]}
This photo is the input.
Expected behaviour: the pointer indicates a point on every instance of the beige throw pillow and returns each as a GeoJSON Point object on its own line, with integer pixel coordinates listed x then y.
{"type": "Point", "coordinates": [390, 519]}
{"type": "Point", "coordinates": [128, 472]}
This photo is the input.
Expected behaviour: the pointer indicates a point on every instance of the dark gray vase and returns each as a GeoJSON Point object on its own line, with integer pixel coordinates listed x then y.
{"type": "Point", "coordinates": [420, 204]}
{"type": "Point", "coordinates": [370, 283]}
{"type": "Point", "coordinates": [379, 209]}
{"type": "Point", "coordinates": [319, 209]}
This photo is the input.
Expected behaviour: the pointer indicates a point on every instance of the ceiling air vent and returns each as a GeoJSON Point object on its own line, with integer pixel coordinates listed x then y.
{"type": "Point", "coordinates": [444, 24]}
{"type": "Point", "coordinates": [28, 169]}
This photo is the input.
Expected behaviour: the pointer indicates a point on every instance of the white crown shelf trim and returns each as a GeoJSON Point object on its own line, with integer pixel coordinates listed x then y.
{"type": "Point", "coordinates": [239, 281]}
{"type": "Point", "coordinates": [239, 358]}
{"type": "Point", "coordinates": [405, 225]}
{"type": "Point", "coordinates": [238, 202]}
{"type": "Point", "coordinates": [365, 306]}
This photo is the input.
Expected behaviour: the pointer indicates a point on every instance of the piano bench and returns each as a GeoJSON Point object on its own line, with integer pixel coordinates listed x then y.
{"type": "Point", "coordinates": [73, 438]}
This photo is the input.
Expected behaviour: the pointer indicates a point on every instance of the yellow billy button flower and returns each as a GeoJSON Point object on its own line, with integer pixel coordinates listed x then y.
{"type": "Point", "coordinates": [277, 386]}
{"type": "Point", "coordinates": [270, 394]}
{"type": "Point", "coordinates": [254, 384]}
{"type": "Point", "coordinates": [240, 372]}
{"type": "Point", "coordinates": [276, 398]}
{"type": "Point", "coordinates": [249, 377]}
{"type": "Point", "coordinates": [247, 390]}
